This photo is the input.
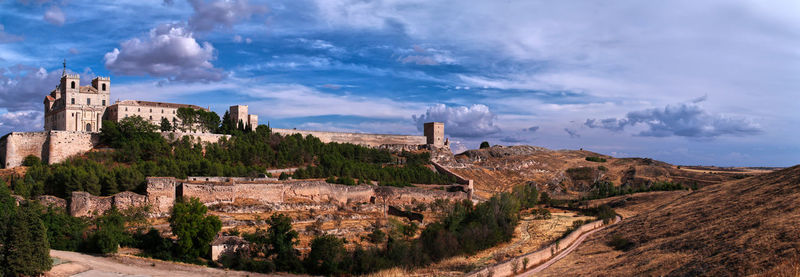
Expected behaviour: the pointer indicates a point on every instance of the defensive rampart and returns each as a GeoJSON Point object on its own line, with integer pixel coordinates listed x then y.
{"type": "Point", "coordinates": [371, 140]}
{"type": "Point", "coordinates": [163, 191]}
{"type": "Point", "coordinates": [50, 146]}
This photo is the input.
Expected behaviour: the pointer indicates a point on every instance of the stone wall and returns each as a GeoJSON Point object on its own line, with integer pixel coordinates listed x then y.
{"type": "Point", "coordinates": [161, 194]}
{"type": "Point", "coordinates": [85, 204]}
{"type": "Point", "coordinates": [371, 140]}
{"type": "Point", "coordinates": [64, 144]}
{"type": "Point", "coordinates": [15, 146]}
{"type": "Point", "coordinates": [203, 138]}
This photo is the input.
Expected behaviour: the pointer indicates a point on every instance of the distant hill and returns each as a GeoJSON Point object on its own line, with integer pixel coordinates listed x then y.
{"type": "Point", "coordinates": [736, 228]}
{"type": "Point", "coordinates": [570, 173]}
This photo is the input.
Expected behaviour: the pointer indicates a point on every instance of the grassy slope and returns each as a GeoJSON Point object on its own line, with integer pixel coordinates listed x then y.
{"type": "Point", "coordinates": [736, 228]}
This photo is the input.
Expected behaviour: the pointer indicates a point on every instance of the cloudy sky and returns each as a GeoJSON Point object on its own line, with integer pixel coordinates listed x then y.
{"type": "Point", "coordinates": [687, 82]}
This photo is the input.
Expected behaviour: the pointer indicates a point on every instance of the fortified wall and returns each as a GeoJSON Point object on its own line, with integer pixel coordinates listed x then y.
{"type": "Point", "coordinates": [57, 146]}
{"type": "Point", "coordinates": [371, 140]}
{"type": "Point", "coordinates": [163, 191]}
{"type": "Point", "coordinates": [50, 146]}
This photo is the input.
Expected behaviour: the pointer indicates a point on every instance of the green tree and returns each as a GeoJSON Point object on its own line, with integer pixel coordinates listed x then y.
{"type": "Point", "coordinates": [165, 125]}
{"type": "Point", "coordinates": [327, 256]}
{"type": "Point", "coordinates": [188, 118]}
{"type": "Point", "coordinates": [110, 232]}
{"type": "Point", "coordinates": [484, 144]}
{"type": "Point", "coordinates": [227, 125]}
{"type": "Point", "coordinates": [282, 240]}
{"type": "Point", "coordinates": [194, 229]}
{"type": "Point", "coordinates": [26, 251]}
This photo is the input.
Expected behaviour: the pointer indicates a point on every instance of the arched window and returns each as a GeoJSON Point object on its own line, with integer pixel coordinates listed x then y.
{"type": "Point", "coordinates": [104, 87]}
{"type": "Point", "coordinates": [88, 127]}
{"type": "Point", "coordinates": [73, 84]}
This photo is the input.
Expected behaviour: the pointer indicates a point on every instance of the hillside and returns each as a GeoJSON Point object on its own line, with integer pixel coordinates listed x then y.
{"type": "Point", "coordinates": [568, 173]}
{"type": "Point", "coordinates": [736, 228]}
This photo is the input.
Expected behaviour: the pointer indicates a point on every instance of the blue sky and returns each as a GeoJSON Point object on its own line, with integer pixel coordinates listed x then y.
{"type": "Point", "coordinates": [687, 82]}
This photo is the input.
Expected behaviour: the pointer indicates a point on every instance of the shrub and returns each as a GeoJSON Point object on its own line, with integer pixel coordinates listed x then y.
{"type": "Point", "coordinates": [596, 159]}
{"type": "Point", "coordinates": [619, 243]}
{"type": "Point", "coordinates": [31, 160]}
{"type": "Point", "coordinates": [485, 145]}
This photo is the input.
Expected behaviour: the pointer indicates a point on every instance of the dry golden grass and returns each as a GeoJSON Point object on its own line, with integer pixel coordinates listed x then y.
{"type": "Point", "coordinates": [736, 228]}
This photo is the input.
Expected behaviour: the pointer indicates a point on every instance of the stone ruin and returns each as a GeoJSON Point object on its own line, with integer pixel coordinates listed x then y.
{"type": "Point", "coordinates": [162, 192]}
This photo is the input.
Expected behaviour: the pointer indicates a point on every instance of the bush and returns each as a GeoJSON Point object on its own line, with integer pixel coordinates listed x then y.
{"type": "Point", "coordinates": [619, 243]}
{"type": "Point", "coordinates": [596, 159]}
{"type": "Point", "coordinates": [485, 145]}
{"type": "Point", "coordinates": [31, 160]}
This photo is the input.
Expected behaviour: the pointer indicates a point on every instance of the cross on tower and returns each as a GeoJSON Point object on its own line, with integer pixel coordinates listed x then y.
{"type": "Point", "coordinates": [64, 72]}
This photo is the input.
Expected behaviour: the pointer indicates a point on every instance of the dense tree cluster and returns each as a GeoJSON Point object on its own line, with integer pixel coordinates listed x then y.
{"type": "Point", "coordinates": [139, 151]}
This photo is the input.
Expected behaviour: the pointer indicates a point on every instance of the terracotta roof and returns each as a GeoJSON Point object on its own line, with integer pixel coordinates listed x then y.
{"type": "Point", "coordinates": [48, 97]}
{"type": "Point", "coordinates": [158, 104]}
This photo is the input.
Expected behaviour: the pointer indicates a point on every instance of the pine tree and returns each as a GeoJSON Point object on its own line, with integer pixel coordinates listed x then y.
{"type": "Point", "coordinates": [226, 123]}
{"type": "Point", "coordinates": [165, 126]}
{"type": "Point", "coordinates": [26, 250]}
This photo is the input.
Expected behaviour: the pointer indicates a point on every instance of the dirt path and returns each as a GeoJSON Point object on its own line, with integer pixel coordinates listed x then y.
{"type": "Point", "coordinates": [561, 255]}
{"type": "Point", "coordinates": [88, 265]}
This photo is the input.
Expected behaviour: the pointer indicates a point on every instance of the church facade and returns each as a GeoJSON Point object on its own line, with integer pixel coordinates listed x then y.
{"type": "Point", "coordinates": [71, 107]}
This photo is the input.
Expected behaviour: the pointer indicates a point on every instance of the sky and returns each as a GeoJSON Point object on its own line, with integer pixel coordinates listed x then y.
{"type": "Point", "coordinates": [686, 82]}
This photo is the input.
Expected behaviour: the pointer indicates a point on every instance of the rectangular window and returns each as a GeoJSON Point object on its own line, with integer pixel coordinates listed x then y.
{"type": "Point", "coordinates": [104, 102]}
{"type": "Point", "coordinates": [88, 101]}
{"type": "Point", "coordinates": [72, 101]}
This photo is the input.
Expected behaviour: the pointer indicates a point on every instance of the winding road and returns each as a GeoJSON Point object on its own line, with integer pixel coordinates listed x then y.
{"type": "Point", "coordinates": [562, 254]}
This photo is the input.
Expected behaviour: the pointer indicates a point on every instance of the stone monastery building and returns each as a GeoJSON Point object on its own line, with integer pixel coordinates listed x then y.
{"type": "Point", "coordinates": [71, 107]}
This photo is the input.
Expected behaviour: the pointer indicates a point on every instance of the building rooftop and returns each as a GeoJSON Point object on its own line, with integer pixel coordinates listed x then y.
{"type": "Point", "coordinates": [157, 104]}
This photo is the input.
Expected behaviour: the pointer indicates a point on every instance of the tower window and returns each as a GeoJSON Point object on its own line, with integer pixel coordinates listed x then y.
{"type": "Point", "coordinates": [139, 109]}
{"type": "Point", "coordinates": [104, 102]}
{"type": "Point", "coordinates": [88, 101]}
{"type": "Point", "coordinates": [72, 101]}
{"type": "Point", "coordinates": [126, 109]}
{"type": "Point", "coordinates": [162, 110]}
{"type": "Point", "coordinates": [151, 117]}
{"type": "Point", "coordinates": [73, 84]}
{"type": "Point", "coordinates": [104, 87]}
{"type": "Point", "coordinates": [151, 110]}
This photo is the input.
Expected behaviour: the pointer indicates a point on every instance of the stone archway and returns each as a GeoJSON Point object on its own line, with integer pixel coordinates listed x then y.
{"type": "Point", "coordinates": [88, 127]}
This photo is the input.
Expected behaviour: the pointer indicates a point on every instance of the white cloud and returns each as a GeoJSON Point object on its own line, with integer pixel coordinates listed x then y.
{"type": "Point", "coordinates": [473, 121]}
{"type": "Point", "coordinates": [55, 16]}
{"type": "Point", "coordinates": [21, 121]}
{"type": "Point", "coordinates": [24, 87]}
{"type": "Point", "coordinates": [684, 120]}
{"type": "Point", "coordinates": [169, 51]}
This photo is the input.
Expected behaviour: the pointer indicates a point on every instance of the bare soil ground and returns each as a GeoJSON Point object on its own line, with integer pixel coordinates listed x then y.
{"type": "Point", "coordinates": [736, 228]}
{"type": "Point", "coordinates": [122, 265]}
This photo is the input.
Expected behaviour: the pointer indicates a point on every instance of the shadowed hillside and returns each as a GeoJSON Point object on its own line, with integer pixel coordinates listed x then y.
{"type": "Point", "coordinates": [741, 227]}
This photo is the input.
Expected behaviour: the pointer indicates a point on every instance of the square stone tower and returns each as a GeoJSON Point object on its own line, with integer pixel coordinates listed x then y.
{"type": "Point", "coordinates": [238, 114]}
{"type": "Point", "coordinates": [434, 132]}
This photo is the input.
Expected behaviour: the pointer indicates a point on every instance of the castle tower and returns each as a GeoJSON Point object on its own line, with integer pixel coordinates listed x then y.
{"type": "Point", "coordinates": [434, 132]}
{"type": "Point", "coordinates": [238, 114]}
